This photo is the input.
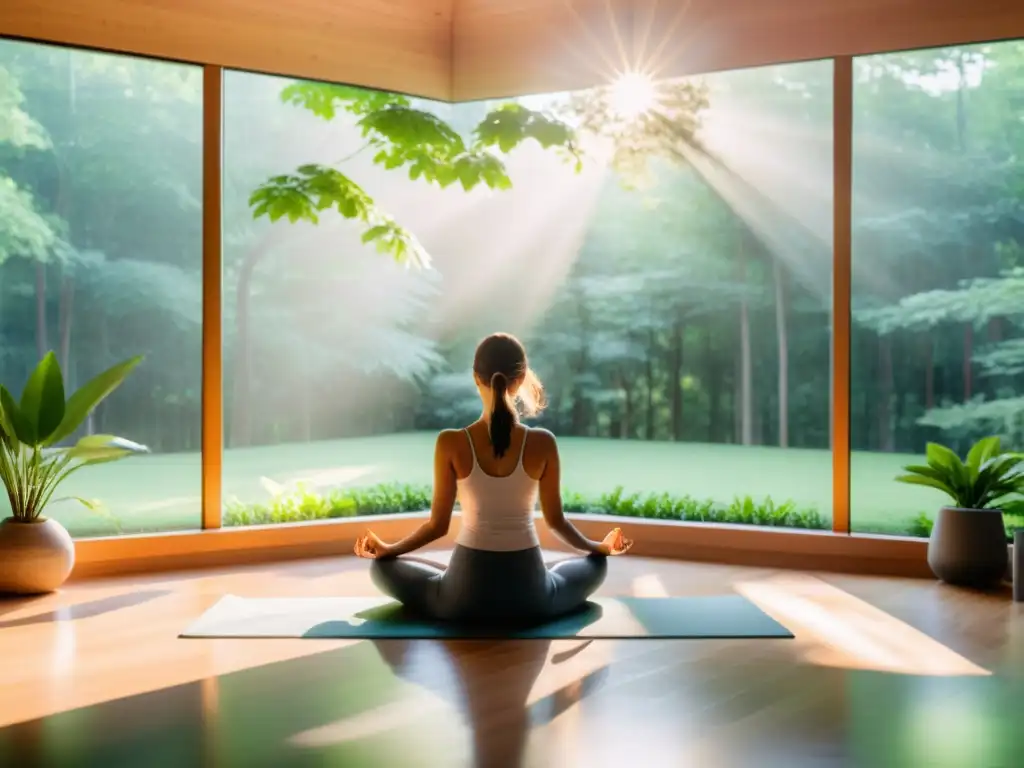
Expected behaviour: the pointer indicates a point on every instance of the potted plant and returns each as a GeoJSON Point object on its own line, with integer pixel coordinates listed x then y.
{"type": "Point", "coordinates": [968, 541]}
{"type": "Point", "coordinates": [37, 553]}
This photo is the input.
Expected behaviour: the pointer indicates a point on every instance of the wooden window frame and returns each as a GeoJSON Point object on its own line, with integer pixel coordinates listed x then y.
{"type": "Point", "coordinates": [214, 545]}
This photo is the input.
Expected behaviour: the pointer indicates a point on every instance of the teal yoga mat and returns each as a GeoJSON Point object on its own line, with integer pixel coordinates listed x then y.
{"type": "Point", "coordinates": [714, 617]}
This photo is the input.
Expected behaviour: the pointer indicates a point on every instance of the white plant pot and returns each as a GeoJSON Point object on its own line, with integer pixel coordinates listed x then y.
{"type": "Point", "coordinates": [35, 557]}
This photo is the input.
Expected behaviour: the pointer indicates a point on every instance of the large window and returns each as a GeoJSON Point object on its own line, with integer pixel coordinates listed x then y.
{"type": "Point", "coordinates": [670, 277]}
{"type": "Point", "coordinates": [664, 248]}
{"type": "Point", "coordinates": [100, 256]}
{"type": "Point", "coordinates": [938, 268]}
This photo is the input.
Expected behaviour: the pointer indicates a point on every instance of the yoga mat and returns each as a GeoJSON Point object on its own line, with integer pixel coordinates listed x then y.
{"type": "Point", "coordinates": [716, 617]}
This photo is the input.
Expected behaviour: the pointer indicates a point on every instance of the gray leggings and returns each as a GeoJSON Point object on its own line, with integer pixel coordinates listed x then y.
{"type": "Point", "coordinates": [494, 587]}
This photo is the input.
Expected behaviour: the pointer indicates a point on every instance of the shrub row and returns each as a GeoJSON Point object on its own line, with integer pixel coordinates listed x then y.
{"type": "Point", "coordinates": [394, 498]}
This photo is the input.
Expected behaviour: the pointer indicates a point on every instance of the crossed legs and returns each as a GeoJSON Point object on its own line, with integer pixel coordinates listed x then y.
{"type": "Point", "coordinates": [420, 585]}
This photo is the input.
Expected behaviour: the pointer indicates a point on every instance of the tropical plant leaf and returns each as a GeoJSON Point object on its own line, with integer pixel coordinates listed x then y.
{"type": "Point", "coordinates": [42, 400]}
{"type": "Point", "coordinates": [15, 422]}
{"type": "Point", "coordinates": [91, 394]}
{"type": "Point", "coordinates": [982, 451]}
{"type": "Point", "coordinates": [7, 430]}
{"type": "Point", "coordinates": [927, 471]}
{"type": "Point", "coordinates": [103, 447]}
{"type": "Point", "coordinates": [941, 457]}
{"type": "Point", "coordinates": [95, 506]}
{"type": "Point", "coordinates": [929, 482]}
{"type": "Point", "coordinates": [987, 477]}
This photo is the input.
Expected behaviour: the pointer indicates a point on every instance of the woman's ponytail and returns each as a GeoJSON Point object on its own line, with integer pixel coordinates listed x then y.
{"type": "Point", "coordinates": [502, 417]}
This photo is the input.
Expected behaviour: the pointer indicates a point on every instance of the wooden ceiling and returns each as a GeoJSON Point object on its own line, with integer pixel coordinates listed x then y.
{"type": "Point", "coordinates": [468, 49]}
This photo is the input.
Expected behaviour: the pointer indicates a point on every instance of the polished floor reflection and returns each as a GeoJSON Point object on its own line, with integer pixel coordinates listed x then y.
{"type": "Point", "coordinates": [883, 672]}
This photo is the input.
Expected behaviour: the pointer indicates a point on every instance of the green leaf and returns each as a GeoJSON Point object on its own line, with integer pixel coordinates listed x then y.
{"type": "Point", "coordinates": [982, 451]}
{"type": "Point", "coordinates": [91, 394]}
{"type": "Point", "coordinates": [15, 422]}
{"type": "Point", "coordinates": [941, 457]}
{"type": "Point", "coordinates": [324, 99]}
{"type": "Point", "coordinates": [6, 423]}
{"type": "Point", "coordinates": [310, 189]}
{"type": "Point", "coordinates": [95, 506]}
{"type": "Point", "coordinates": [930, 482]}
{"type": "Point", "coordinates": [42, 400]}
{"type": "Point", "coordinates": [91, 504]}
{"type": "Point", "coordinates": [408, 128]}
{"type": "Point", "coordinates": [926, 471]}
{"type": "Point", "coordinates": [510, 125]}
{"type": "Point", "coordinates": [998, 477]}
{"type": "Point", "coordinates": [103, 447]}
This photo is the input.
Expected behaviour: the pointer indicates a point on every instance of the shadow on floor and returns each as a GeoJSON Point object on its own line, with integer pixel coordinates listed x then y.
{"type": "Point", "coordinates": [88, 609]}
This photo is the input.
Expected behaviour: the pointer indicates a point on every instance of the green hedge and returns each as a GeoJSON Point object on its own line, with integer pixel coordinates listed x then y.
{"type": "Point", "coordinates": [395, 498]}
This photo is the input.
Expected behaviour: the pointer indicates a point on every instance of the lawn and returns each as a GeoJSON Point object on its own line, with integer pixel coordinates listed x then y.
{"type": "Point", "coordinates": [162, 492]}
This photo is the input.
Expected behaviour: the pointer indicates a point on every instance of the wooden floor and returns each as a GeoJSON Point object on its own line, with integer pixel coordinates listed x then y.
{"type": "Point", "coordinates": [882, 672]}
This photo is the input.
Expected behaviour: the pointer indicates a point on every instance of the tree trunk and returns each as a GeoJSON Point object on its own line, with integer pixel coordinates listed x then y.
{"type": "Point", "coordinates": [967, 361]}
{"type": "Point", "coordinates": [782, 337]}
{"type": "Point", "coordinates": [42, 345]}
{"type": "Point", "coordinates": [737, 400]}
{"type": "Point", "coordinates": [65, 304]}
{"type": "Point", "coordinates": [627, 412]}
{"type": "Point", "coordinates": [306, 402]}
{"type": "Point", "coordinates": [746, 384]}
{"type": "Point", "coordinates": [579, 404]}
{"type": "Point", "coordinates": [885, 384]}
{"type": "Point", "coordinates": [714, 387]}
{"type": "Point", "coordinates": [64, 315]}
{"type": "Point", "coordinates": [929, 372]}
{"type": "Point", "coordinates": [649, 372]}
{"type": "Point", "coordinates": [240, 433]}
{"type": "Point", "coordinates": [676, 380]}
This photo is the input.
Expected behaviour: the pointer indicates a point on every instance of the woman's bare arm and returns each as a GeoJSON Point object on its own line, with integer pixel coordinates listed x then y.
{"type": "Point", "coordinates": [440, 507]}
{"type": "Point", "coordinates": [551, 497]}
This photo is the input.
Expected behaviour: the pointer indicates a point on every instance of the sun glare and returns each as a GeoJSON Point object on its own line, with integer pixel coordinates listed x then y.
{"type": "Point", "coordinates": [632, 94]}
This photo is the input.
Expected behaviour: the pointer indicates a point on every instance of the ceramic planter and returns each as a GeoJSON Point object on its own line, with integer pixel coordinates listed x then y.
{"type": "Point", "coordinates": [35, 557]}
{"type": "Point", "coordinates": [968, 547]}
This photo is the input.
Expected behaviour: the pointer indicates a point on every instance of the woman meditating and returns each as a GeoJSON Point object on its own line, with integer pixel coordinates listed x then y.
{"type": "Point", "coordinates": [497, 467]}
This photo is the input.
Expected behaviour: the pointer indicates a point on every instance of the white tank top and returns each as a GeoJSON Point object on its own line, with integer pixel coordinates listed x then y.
{"type": "Point", "coordinates": [497, 512]}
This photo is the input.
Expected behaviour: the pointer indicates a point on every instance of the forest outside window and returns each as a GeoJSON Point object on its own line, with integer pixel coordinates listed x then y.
{"type": "Point", "coordinates": [100, 261]}
{"type": "Point", "coordinates": [670, 277]}
{"type": "Point", "coordinates": [938, 270]}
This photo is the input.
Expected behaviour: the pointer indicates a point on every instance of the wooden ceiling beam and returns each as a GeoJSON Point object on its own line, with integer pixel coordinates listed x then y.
{"type": "Point", "coordinates": [513, 47]}
{"type": "Point", "coordinates": [398, 45]}
{"type": "Point", "coordinates": [471, 49]}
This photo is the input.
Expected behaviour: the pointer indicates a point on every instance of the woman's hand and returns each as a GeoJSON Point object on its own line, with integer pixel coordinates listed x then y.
{"type": "Point", "coordinates": [614, 543]}
{"type": "Point", "coordinates": [371, 547]}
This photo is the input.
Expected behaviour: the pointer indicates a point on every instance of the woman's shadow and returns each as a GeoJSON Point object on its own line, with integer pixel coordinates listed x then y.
{"type": "Point", "coordinates": [494, 679]}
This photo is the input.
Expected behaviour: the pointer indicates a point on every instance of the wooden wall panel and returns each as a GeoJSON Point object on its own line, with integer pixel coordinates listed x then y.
{"type": "Point", "coordinates": [533, 46]}
{"type": "Point", "coordinates": [507, 47]}
{"type": "Point", "coordinates": [698, 542]}
{"type": "Point", "coordinates": [471, 49]}
{"type": "Point", "coordinates": [401, 45]}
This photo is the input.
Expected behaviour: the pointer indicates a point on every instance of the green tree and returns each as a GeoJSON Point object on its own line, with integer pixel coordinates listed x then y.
{"type": "Point", "coordinates": [402, 136]}
{"type": "Point", "coordinates": [24, 231]}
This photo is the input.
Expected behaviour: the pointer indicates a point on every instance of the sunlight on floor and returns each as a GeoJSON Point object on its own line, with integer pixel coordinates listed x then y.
{"type": "Point", "coordinates": [412, 707]}
{"type": "Point", "coordinates": [649, 585]}
{"type": "Point", "coordinates": [850, 633]}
